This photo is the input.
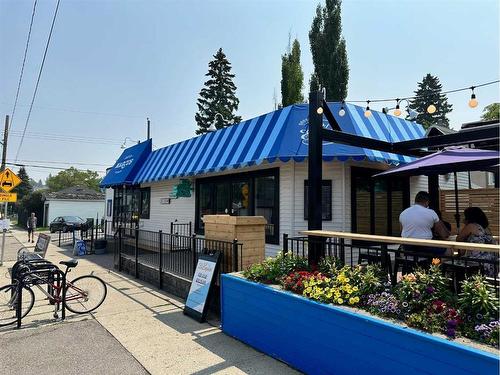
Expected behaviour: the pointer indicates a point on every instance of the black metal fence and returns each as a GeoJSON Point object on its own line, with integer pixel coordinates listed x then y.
{"type": "Point", "coordinates": [89, 233]}
{"type": "Point", "coordinates": [398, 259]}
{"type": "Point", "coordinates": [184, 229]}
{"type": "Point", "coordinates": [173, 253]}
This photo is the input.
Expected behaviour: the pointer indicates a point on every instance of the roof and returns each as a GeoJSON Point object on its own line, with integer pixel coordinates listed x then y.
{"type": "Point", "coordinates": [279, 135]}
{"type": "Point", "coordinates": [128, 164]}
{"type": "Point", "coordinates": [438, 130]}
{"type": "Point", "coordinates": [75, 193]}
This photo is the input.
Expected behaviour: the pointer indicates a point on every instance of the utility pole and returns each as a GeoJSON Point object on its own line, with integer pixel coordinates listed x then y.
{"type": "Point", "coordinates": [5, 137]}
{"type": "Point", "coordinates": [149, 128]}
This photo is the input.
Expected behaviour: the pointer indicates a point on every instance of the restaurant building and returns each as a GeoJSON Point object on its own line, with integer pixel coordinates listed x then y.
{"type": "Point", "coordinates": [259, 167]}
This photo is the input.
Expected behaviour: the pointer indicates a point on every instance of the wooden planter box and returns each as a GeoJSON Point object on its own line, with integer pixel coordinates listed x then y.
{"type": "Point", "coordinates": [323, 339]}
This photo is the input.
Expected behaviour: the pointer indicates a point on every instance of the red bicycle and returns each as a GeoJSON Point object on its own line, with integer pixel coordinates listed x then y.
{"type": "Point", "coordinates": [83, 294]}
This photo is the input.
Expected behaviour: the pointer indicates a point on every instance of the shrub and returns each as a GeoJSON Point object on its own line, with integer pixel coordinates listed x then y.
{"type": "Point", "coordinates": [272, 270]}
{"type": "Point", "coordinates": [329, 266]}
{"type": "Point", "coordinates": [478, 299]}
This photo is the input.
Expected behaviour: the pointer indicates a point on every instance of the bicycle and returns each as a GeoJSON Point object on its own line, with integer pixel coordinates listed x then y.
{"type": "Point", "coordinates": [80, 296]}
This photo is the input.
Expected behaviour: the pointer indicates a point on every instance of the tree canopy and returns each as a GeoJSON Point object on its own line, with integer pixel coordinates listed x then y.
{"type": "Point", "coordinates": [292, 77]}
{"type": "Point", "coordinates": [428, 92]}
{"type": "Point", "coordinates": [25, 187]}
{"type": "Point", "coordinates": [73, 177]}
{"type": "Point", "coordinates": [491, 112]}
{"type": "Point", "coordinates": [328, 49]}
{"type": "Point", "coordinates": [217, 102]}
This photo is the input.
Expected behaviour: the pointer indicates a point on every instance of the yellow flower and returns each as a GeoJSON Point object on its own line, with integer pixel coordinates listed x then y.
{"type": "Point", "coordinates": [355, 288]}
{"type": "Point", "coordinates": [347, 280]}
{"type": "Point", "coordinates": [356, 299]}
{"type": "Point", "coordinates": [351, 301]}
{"type": "Point", "coordinates": [340, 301]}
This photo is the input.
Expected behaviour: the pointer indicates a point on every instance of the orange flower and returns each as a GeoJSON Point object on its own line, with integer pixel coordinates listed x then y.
{"type": "Point", "coordinates": [436, 261]}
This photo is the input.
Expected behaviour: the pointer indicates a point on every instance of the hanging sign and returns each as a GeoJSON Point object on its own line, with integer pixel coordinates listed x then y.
{"type": "Point", "coordinates": [8, 197]}
{"type": "Point", "coordinates": [197, 302]}
{"type": "Point", "coordinates": [8, 181]}
{"type": "Point", "coordinates": [182, 189]}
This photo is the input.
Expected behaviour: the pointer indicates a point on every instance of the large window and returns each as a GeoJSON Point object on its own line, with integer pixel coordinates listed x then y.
{"type": "Point", "coordinates": [131, 204]}
{"type": "Point", "coordinates": [243, 194]}
{"type": "Point", "coordinates": [376, 203]}
{"type": "Point", "coordinates": [326, 200]}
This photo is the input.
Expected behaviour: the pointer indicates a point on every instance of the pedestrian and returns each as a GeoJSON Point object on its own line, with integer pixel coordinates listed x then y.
{"type": "Point", "coordinates": [31, 225]}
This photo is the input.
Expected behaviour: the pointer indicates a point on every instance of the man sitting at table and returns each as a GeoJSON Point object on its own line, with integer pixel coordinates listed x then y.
{"type": "Point", "coordinates": [419, 221]}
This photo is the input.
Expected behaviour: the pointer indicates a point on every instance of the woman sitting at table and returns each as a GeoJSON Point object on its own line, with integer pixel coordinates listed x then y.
{"type": "Point", "coordinates": [476, 231]}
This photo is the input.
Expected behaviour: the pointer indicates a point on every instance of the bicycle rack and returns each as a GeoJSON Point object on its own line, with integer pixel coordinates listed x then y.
{"type": "Point", "coordinates": [48, 272]}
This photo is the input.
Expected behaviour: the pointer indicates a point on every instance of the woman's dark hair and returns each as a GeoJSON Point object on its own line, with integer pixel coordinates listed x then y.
{"type": "Point", "coordinates": [476, 216]}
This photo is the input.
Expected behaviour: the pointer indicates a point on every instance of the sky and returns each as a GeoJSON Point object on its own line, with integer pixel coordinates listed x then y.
{"type": "Point", "coordinates": [112, 64]}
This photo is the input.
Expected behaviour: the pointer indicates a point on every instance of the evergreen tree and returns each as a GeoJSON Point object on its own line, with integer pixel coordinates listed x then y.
{"type": "Point", "coordinates": [218, 96]}
{"type": "Point", "coordinates": [429, 92]}
{"type": "Point", "coordinates": [292, 77]}
{"type": "Point", "coordinates": [328, 48]}
{"type": "Point", "coordinates": [491, 112]}
{"type": "Point", "coordinates": [25, 187]}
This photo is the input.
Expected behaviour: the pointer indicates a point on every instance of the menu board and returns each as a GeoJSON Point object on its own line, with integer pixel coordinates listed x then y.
{"type": "Point", "coordinates": [197, 302]}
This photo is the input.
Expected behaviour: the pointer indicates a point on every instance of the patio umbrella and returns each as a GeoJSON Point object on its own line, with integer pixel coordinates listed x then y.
{"type": "Point", "coordinates": [449, 160]}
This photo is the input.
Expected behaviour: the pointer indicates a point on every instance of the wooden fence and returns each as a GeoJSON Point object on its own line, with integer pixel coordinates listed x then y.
{"type": "Point", "coordinates": [486, 199]}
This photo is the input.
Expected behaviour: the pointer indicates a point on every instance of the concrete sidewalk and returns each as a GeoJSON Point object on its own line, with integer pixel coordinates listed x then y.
{"type": "Point", "coordinates": [152, 328]}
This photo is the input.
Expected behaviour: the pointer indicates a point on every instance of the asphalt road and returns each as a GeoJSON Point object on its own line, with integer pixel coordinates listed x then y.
{"type": "Point", "coordinates": [79, 348]}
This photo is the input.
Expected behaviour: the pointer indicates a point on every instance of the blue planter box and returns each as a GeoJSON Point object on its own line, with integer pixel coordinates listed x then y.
{"type": "Point", "coordinates": [324, 339]}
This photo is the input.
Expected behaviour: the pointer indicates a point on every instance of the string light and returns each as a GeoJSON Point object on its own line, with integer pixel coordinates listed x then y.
{"type": "Point", "coordinates": [473, 101]}
{"type": "Point", "coordinates": [431, 109]}
{"type": "Point", "coordinates": [397, 111]}
{"type": "Point", "coordinates": [368, 113]}
{"type": "Point", "coordinates": [319, 111]}
{"type": "Point", "coordinates": [342, 110]}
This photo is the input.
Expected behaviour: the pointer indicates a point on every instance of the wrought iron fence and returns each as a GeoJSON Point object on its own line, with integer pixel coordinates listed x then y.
{"type": "Point", "coordinates": [173, 253]}
{"type": "Point", "coordinates": [89, 234]}
{"type": "Point", "coordinates": [397, 259]}
{"type": "Point", "coordinates": [184, 229]}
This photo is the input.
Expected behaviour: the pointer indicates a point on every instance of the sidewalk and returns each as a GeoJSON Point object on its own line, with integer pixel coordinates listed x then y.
{"type": "Point", "coordinates": [151, 326]}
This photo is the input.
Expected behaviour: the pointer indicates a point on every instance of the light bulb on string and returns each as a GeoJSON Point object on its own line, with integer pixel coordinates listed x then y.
{"type": "Point", "coordinates": [397, 111]}
{"type": "Point", "coordinates": [368, 113]}
{"type": "Point", "coordinates": [473, 101]}
{"type": "Point", "coordinates": [342, 110]}
{"type": "Point", "coordinates": [431, 109]}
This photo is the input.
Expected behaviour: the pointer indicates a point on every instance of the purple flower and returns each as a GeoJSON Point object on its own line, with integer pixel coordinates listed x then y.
{"type": "Point", "coordinates": [452, 323]}
{"type": "Point", "coordinates": [430, 289]}
{"type": "Point", "coordinates": [450, 332]}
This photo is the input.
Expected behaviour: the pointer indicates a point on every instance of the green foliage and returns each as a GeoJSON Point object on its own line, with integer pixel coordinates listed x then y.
{"type": "Point", "coordinates": [73, 177]}
{"type": "Point", "coordinates": [25, 187]}
{"type": "Point", "coordinates": [292, 77]}
{"type": "Point", "coordinates": [328, 49]}
{"type": "Point", "coordinates": [478, 299]}
{"type": "Point", "coordinates": [272, 270]}
{"type": "Point", "coordinates": [218, 96]}
{"type": "Point", "coordinates": [330, 265]}
{"type": "Point", "coordinates": [30, 203]}
{"type": "Point", "coordinates": [491, 112]}
{"type": "Point", "coordinates": [429, 91]}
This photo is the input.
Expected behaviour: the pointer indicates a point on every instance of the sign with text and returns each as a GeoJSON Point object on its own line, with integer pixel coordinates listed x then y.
{"type": "Point", "coordinates": [204, 277]}
{"type": "Point", "coordinates": [8, 181]}
{"type": "Point", "coordinates": [8, 197]}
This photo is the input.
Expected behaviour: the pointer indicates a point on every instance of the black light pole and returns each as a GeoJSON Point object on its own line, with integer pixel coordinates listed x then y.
{"type": "Point", "coordinates": [315, 175]}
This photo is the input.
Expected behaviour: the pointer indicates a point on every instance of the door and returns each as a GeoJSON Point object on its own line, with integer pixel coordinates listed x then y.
{"type": "Point", "coordinates": [240, 198]}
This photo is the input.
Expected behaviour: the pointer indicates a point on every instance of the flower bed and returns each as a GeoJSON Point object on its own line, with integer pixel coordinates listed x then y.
{"type": "Point", "coordinates": [421, 300]}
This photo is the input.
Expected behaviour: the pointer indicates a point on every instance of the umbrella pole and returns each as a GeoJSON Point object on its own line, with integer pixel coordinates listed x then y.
{"type": "Point", "coordinates": [457, 209]}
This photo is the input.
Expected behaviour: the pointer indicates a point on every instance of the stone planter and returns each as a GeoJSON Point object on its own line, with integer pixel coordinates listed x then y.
{"type": "Point", "coordinates": [323, 339]}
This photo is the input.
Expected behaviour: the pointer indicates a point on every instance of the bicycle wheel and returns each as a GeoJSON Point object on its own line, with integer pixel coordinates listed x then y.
{"type": "Point", "coordinates": [8, 303]}
{"type": "Point", "coordinates": [85, 294]}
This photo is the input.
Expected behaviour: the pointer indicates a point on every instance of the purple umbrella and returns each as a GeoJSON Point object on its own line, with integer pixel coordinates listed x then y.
{"type": "Point", "coordinates": [451, 159]}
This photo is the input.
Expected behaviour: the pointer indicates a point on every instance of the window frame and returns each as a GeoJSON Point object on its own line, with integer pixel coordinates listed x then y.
{"type": "Point", "coordinates": [142, 192]}
{"type": "Point", "coordinates": [324, 183]}
{"type": "Point", "coordinates": [235, 177]}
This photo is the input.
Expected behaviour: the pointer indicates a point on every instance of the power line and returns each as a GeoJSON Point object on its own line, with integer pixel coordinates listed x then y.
{"type": "Point", "coordinates": [61, 162]}
{"type": "Point", "coordinates": [22, 66]}
{"type": "Point", "coordinates": [39, 76]}
{"type": "Point", "coordinates": [70, 139]}
{"type": "Point", "coordinates": [47, 167]}
{"type": "Point", "coordinates": [423, 96]}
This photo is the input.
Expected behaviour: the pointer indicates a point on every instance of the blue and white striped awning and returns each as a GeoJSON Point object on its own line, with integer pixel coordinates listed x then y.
{"type": "Point", "coordinates": [279, 135]}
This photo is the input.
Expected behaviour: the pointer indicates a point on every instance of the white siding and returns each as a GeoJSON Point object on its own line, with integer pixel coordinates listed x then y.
{"type": "Point", "coordinates": [109, 196]}
{"type": "Point", "coordinates": [84, 209]}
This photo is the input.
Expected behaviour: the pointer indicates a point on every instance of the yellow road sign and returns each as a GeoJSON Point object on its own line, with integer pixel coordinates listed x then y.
{"type": "Point", "coordinates": [8, 180]}
{"type": "Point", "coordinates": [8, 197]}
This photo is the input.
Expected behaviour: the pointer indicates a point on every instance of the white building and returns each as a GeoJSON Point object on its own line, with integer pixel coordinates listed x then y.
{"type": "Point", "coordinates": [73, 201]}
{"type": "Point", "coordinates": [259, 167]}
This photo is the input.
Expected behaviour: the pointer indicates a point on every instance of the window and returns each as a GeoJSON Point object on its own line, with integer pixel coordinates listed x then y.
{"type": "Point", "coordinates": [130, 204]}
{"type": "Point", "coordinates": [242, 194]}
{"type": "Point", "coordinates": [145, 203]}
{"type": "Point", "coordinates": [109, 208]}
{"type": "Point", "coordinates": [326, 200]}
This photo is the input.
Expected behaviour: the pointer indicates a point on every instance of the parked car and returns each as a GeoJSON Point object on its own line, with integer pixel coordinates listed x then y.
{"type": "Point", "coordinates": [67, 224]}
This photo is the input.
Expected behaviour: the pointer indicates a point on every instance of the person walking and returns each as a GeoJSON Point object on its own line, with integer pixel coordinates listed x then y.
{"type": "Point", "coordinates": [31, 225]}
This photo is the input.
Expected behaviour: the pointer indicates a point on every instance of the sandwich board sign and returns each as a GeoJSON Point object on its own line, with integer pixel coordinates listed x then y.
{"type": "Point", "coordinates": [197, 302]}
{"type": "Point", "coordinates": [8, 180]}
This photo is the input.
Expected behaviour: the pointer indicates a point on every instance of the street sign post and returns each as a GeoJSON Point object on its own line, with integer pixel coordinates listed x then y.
{"type": "Point", "coordinates": [8, 197]}
{"type": "Point", "coordinates": [8, 181]}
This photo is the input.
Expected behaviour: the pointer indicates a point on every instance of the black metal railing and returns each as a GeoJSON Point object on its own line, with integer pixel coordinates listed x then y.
{"type": "Point", "coordinates": [397, 259]}
{"type": "Point", "coordinates": [184, 229]}
{"type": "Point", "coordinates": [88, 233]}
{"type": "Point", "coordinates": [173, 253]}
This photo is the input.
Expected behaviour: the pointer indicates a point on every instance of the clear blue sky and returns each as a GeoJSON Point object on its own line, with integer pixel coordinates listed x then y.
{"type": "Point", "coordinates": [148, 58]}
